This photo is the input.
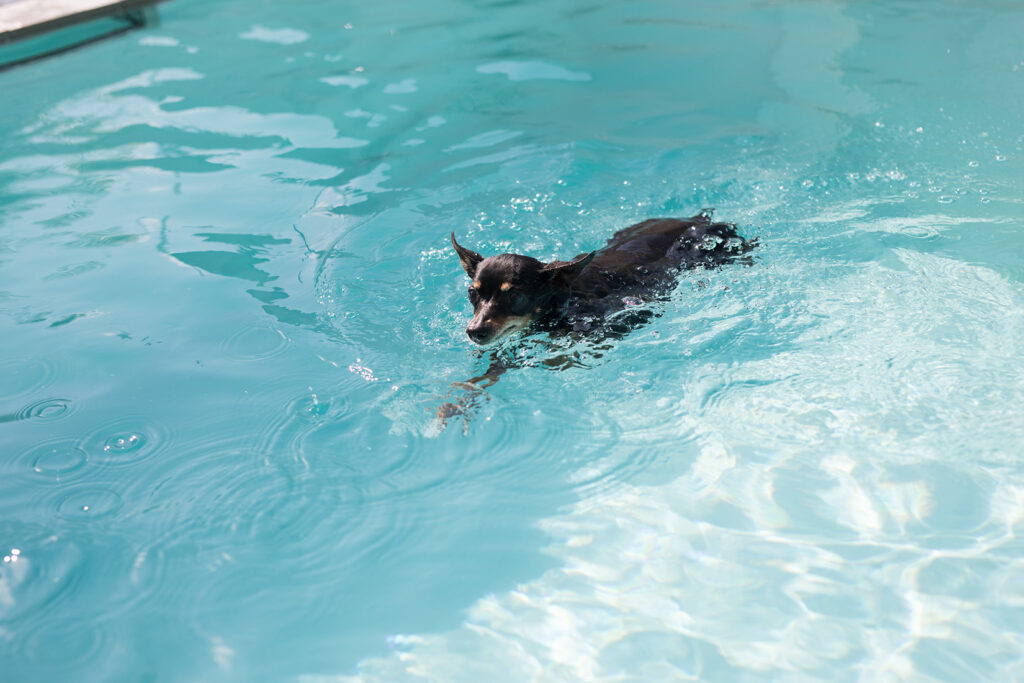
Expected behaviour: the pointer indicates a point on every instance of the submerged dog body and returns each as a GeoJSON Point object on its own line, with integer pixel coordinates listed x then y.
{"type": "Point", "coordinates": [639, 263]}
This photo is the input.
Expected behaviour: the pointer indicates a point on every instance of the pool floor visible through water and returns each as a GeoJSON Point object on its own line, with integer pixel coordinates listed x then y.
{"type": "Point", "coordinates": [230, 312]}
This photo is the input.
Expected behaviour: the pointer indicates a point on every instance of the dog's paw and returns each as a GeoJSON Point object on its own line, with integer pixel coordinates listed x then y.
{"type": "Point", "coordinates": [464, 408]}
{"type": "Point", "coordinates": [449, 410]}
{"type": "Point", "coordinates": [452, 411]}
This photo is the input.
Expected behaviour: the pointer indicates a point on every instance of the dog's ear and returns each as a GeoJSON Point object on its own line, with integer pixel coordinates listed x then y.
{"type": "Point", "coordinates": [562, 273]}
{"type": "Point", "coordinates": [469, 258]}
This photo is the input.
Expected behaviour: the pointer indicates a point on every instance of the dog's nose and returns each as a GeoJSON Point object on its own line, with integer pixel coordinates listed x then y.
{"type": "Point", "coordinates": [478, 334]}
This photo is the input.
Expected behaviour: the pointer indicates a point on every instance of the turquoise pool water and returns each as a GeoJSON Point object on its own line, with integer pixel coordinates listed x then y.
{"type": "Point", "coordinates": [228, 311]}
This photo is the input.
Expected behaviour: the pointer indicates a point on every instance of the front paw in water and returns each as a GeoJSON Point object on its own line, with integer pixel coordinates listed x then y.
{"type": "Point", "coordinates": [464, 407]}
{"type": "Point", "coordinates": [449, 410]}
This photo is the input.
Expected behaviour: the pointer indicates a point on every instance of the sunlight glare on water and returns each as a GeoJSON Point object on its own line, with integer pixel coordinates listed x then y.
{"type": "Point", "coordinates": [230, 313]}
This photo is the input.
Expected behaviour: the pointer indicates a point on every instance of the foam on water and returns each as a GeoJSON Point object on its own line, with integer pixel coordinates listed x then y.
{"type": "Point", "coordinates": [230, 314]}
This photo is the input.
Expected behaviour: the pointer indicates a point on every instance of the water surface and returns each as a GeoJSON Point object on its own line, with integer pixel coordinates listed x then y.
{"type": "Point", "coordinates": [229, 311]}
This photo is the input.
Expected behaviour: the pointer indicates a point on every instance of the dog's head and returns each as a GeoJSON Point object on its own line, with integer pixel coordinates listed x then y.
{"type": "Point", "coordinates": [510, 291]}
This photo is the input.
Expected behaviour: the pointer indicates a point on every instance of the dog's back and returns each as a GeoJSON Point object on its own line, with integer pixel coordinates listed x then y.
{"type": "Point", "coordinates": [642, 261]}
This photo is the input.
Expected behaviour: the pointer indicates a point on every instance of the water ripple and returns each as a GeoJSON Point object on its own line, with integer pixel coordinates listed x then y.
{"type": "Point", "coordinates": [255, 343]}
{"type": "Point", "coordinates": [55, 458]}
{"type": "Point", "coordinates": [82, 644]}
{"type": "Point", "coordinates": [126, 441]}
{"type": "Point", "coordinates": [46, 410]}
{"type": "Point", "coordinates": [316, 435]}
{"type": "Point", "coordinates": [88, 502]}
{"type": "Point", "coordinates": [46, 567]}
{"type": "Point", "coordinates": [529, 71]}
{"type": "Point", "coordinates": [20, 377]}
{"type": "Point", "coordinates": [217, 488]}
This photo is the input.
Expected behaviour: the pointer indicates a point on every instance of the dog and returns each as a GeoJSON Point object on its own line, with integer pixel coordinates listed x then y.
{"type": "Point", "coordinates": [597, 294]}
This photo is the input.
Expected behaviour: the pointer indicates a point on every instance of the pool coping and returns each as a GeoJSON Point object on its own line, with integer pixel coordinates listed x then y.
{"type": "Point", "coordinates": [22, 19]}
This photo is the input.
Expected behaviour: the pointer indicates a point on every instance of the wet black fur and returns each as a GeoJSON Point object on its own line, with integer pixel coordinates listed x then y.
{"type": "Point", "coordinates": [637, 265]}
{"type": "Point", "coordinates": [595, 295]}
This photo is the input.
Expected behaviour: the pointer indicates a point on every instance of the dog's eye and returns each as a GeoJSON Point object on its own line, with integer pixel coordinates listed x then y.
{"type": "Point", "coordinates": [474, 296]}
{"type": "Point", "coordinates": [518, 302]}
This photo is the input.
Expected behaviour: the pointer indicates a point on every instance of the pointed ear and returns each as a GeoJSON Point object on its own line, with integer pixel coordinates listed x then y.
{"type": "Point", "coordinates": [562, 273]}
{"type": "Point", "coordinates": [470, 259]}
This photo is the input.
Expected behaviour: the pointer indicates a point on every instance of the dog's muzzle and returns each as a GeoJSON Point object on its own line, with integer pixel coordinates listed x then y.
{"type": "Point", "coordinates": [486, 332]}
{"type": "Point", "coordinates": [481, 334]}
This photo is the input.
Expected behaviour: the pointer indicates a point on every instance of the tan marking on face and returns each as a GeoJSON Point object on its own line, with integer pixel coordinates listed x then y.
{"type": "Point", "coordinates": [511, 324]}
{"type": "Point", "coordinates": [505, 286]}
{"type": "Point", "coordinates": [503, 326]}
{"type": "Point", "coordinates": [476, 284]}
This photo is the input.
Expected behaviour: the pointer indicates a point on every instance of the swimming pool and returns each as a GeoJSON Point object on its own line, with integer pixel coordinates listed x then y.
{"type": "Point", "coordinates": [229, 312]}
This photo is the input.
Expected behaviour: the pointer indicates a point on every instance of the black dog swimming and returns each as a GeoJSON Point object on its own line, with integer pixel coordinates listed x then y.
{"type": "Point", "coordinates": [594, 294]}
